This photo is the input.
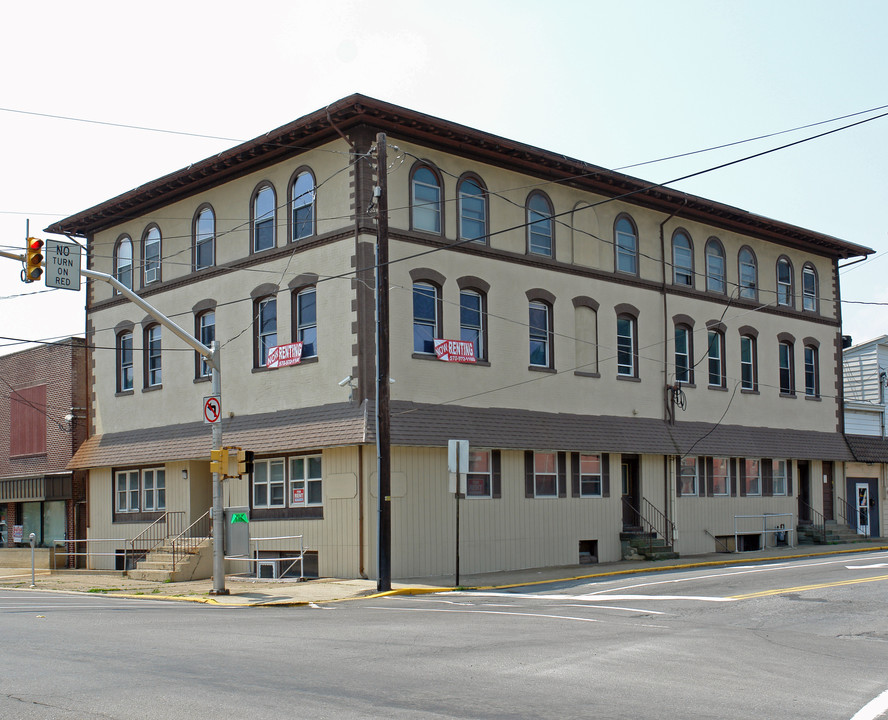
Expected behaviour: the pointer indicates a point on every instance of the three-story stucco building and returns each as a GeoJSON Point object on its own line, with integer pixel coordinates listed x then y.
{"type": "Point", "coordinates": [642, 357]}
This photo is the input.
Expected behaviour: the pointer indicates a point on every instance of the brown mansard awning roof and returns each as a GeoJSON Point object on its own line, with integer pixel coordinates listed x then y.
{"type": "Point", "coordinates": [433, 425]}
{"type": "Point", "coordinates": [343, 115]}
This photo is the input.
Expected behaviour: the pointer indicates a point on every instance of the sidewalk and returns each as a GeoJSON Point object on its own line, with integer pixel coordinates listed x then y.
{"type": "Point", "coordinates": [244, 591]}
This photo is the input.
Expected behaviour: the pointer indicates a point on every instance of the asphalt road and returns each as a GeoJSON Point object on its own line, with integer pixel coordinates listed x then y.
{"type": "Point", "coordinates": [801, 639]}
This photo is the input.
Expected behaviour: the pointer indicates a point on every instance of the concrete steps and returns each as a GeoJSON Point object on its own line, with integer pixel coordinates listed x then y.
{"type": "Point", "coordinates": [195, 564]}
{"type": "Point", "coordinates": [642, 546]}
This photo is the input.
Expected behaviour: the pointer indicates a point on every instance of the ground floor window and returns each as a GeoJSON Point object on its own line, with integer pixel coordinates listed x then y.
{"type": "Point", "coordinates": [778, 475]}
{"type": "Point", "coordinates": [687, 475]}
{"type": "Point", "coordinates": [478, 480]}
{"type": "Point", "coordinates": [590, 475]}
{"type": "Point", "coordinates": [752, 477]}
{"type": "Point", "coordinates": [721, 476]}
{"type": "Point", "coordinates": [140, 490]}
{"type": "Point", "coordinates": [283, 487]}
{"type": "Point", "coordinates": [545, 474]}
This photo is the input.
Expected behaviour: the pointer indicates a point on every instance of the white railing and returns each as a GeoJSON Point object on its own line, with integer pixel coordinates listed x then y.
{"type": "Point", "coordinates": [782, 532]}
{"type": "Point", "coordinates": [279, 561]}
{"type": "Point", "coordinates": [87, 552]}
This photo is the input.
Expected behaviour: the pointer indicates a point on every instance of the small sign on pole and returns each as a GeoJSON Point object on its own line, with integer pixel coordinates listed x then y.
{"type": "Point", "coordinates": [212, 409]}
{"type": "Point", "coordinates": [62, 265]}
{"type": "Point", "coordinates": [458, 463]}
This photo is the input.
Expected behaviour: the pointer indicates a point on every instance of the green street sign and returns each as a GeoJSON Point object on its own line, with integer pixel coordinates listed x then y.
{"type": "Point", "coordinates": [239, 518]}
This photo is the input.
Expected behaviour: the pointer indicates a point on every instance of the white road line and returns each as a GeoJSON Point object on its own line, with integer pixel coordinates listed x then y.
{"type": "Point", "coordinates": [866, 567]}
{"type": "Point", "coordinates": [486, 612]}
{"type": "Point", "coordinates": [624, 609]}
{"type": "Point", "coordinates": [873, 709]}
{"type": "Point", "coordinates": [598, 597]}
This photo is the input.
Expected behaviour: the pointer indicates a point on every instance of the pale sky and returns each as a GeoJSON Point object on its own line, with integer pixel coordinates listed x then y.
{"type": "Point", "coordinates": [609, 83]}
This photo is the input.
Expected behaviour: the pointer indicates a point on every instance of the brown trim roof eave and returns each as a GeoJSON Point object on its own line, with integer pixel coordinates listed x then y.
{"type": "Point", "coordinates": [315, 129]}
{"type": "Point", "coordinates": [868, 448]}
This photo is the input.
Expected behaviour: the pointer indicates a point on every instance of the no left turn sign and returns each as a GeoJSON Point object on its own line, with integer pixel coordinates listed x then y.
{"type": "Point", "coordinates": [212, 409]}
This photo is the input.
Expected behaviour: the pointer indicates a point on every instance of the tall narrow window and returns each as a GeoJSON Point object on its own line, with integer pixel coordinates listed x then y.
{"type": "Point", "coordinates": [307, 321]}
{"type": "Point", "coordinates": [748, 380]}
{"type": "Point", "coordinates": [425, 317]}
{"type": "Point", "coordinates": [263, 219]}
{"type": "Point", "coordinates": [752, 477]}
{"type": "Point", "coordinates": [784, 283]}
{"type": "Point", "coordinates": [151, 257]}
{"type": "Point", "coordinates": [153, 376]}
{"type": "Point", "coordinates": [540, 330]}
{"type": "Point", "coordinates": [425, 201]}
{"type": "Point", "coordinates": [778, 476]}
{"type": "Point", "coordinates": [127, 491]}
{"type": "Point", "coordinates": [626, 246]}
{"type": "Point", "coordinates": [590, 475]}
{"type": "Point", "coordinates": [683, 354]}
{"type": "Point", "coordinates": [123, 262]}
{"type": "Point", "coordinates": [266, 329]}
{"type": "Point", "coordinates": [478, 480]}
{"type": "Point", "coordinates": [471, 320]}
{"type": "Point", "coordinates": [302, 206]}
{"type": "Point", "coordinates": [687, 475]}
{"type": "Point", "coordinates": [809, 288]}
{"type": "Point", "coordinates": [682, 260]}
{"type": "Point", "coordinates": [716, 280]}
{"type": "Point", "coordinates": [124, 362]}
{"type": "Point", "coordinates": [540, 225]}
{"type": "Point", "coordinates": [154, 489]}
{"type": "Point", "coordinates": [787, 383]}
{"type": "Point", "coordinates": [716, 358]}
{"type": "Point", "coordinates": [204, 239]}
{"type": "Point", "coordinates": [748, 274]}
{"type": "Point", "coordinates": [472, 211]}
{"type": "Point", "coordinates": [626, 356]}
{"type": "Point", "coordinates": [721, 476]}
{"type": "Point", "coordinates": [206, 328]}
{"type": "Point", "coordinates": [812, 380]}
{"type": "Point", "coordinates": [545, 474]}
{"type": "Point", "coordinates": [586, 337]}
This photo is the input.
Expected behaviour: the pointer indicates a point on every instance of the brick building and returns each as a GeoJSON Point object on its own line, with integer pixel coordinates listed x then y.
{"type": "Point", "coordinates": [42, 424]}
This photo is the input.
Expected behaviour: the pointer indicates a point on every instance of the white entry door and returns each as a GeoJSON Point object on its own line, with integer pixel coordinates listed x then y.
{"type": "Point", "coordinates": [863, 508]}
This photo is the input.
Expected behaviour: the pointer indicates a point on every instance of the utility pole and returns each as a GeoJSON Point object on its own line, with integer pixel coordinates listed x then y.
{"type": "Point", "coordinates": [383, 410]}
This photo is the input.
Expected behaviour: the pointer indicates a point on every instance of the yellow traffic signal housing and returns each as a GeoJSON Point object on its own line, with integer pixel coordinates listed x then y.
{"type": "Point", "coordinates": [244, 462]}
{"type": "Point", "coordinates": [219, 461]}
{"type": "Point", "coordinates": [33, 260]}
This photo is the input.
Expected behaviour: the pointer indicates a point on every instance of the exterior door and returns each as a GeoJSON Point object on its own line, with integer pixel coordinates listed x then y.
{"type": "Point", "coordinates": [828, 490]}
{"type": "Point", "coordinates": [804, 492]}
{"type": "Point", "coordinates": [863, 509]}
{"type": "Point", "coordinates": [631, 492]}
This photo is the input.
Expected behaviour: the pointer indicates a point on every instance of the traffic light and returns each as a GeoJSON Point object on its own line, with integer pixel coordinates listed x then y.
{"type": "Point", "coordinates": [33, 260]}
{"type": "Point", "coordinates": [245, 462]}
{"type": "Point", "coordinates": [219, 461]}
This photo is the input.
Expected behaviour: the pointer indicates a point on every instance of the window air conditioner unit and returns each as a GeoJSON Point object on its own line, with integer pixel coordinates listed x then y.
{"type": "Point", "coordinates": [150, 275]}
{"type": "Point", "coordinates": [267, 569]}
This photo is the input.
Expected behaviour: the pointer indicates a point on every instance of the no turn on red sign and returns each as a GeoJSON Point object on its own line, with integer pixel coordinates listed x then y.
{"type": "Point", "coordinates": [212, 408]}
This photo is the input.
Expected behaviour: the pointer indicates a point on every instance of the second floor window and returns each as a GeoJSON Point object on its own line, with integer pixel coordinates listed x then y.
{"type": "Point", "coordinates": [540, 329]}
{"type": "Point", "coordinates": [716, 359]}
{"type": "Point", "coordinates": [153, 376]}
{"type": "Point", "coordinates": [307, 322]}
{"type": "Point", "coordinates": [206, 328]}
{"type": "Point", "coordinates": [683, 354]}
{"type": "Point", "coordinates": [471, 320]}
{"type": "Point", "coordinates": [812, 382]}
{"type": "Point", "coordinates": [124, 362]}
{"type": "Point", "coordinates": [266, 329]}
{"type": "Point", "coordinates": [152, 256]}
{"type": "Point", "coordinates": [787, 382]}
{"type": "Point", "coordinates": [626, 346]}
{"type": "Point", "coordinates": [747, 363]}
{"type": "Point", "coordinates": [425, 317]}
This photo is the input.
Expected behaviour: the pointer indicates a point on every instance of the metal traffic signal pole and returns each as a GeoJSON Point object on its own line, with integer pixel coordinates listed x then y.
{"type": "Point", "coordinates": [212, 358]}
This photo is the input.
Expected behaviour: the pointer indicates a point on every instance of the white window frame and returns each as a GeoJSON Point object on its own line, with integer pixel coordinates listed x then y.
{"type": "Point", "coordinates": [626, 343]}
{"type": "Point", "coordinates": [302, 196]}
{"type": "Point", "coordinates": [715, 355]}
{"type": "Point", "coordinates": [205, 237]}
{"type": "Point", "coordinates": [152, 256]}
{"type": "Point", "coordinates": [206, 337]}
{"type": "Point", "coordinates": [683, 372]}
{"type": "Point", "coordinates": [128, 497]}
{"type": "Point", "coordinates": [540, 226]}
{"type": "Point", "coordinates": [426, 210]}
{"type": "Point", "coordinates": [626, 250]}
{"type": "Point", "coordinates": [153, 356]}
{"type": "Point", "coordinates": [472, 211]}
{"type": "Point", "coordinates": [123, 270]}
{"type": "Point", "coordinates": [716, 278]}
{"type": "Point", "coordinates": [812, 372]}
{"type": "Point", "coordinates": [266, 218]}
{"type": "Point", "coordinates": [471, 329]}
{"type": "Point", "coordinates": [540, 476]}
{"type": "Point", "coordinates": [429, 292]}
{"type": "Point", "coordinates": [592, 479]}
{"type": "Point", "coordinates": [481, 470]}
{"type": "Point", "coordinates": [308, 483]}
{"type": "Point", "coordinates": [268, 483]}
{"type": "Point", "coordinates": [748, 290]}
{"type": "Point", "coordinates": [809, 294]}
{"type": "Point", "coordinates": [726, 475]}
{"type": "Point", "coordinates": [784, 287]}
{"type": "Point", "coordinates": [785, 362]}
{"type": "Point", "coordinates": [539, 336]}
{"type": "Point", "coordinates": [779, 472]}
{"type": "Point", "coordinates": [684, 465]}
{"type": "Point", "coordinates": [125, 370]}
{"type": "Point", "coordinates": [267, 339]}
{"type": "Point", "coordinates": [154, 489]}
{"type": "Point", "coordinates": [303, 326]}
{"type": "Point", "coordinates": [749, 363]}
{"type": "Point", "coordinates": [682, 260]}
{"type": "Point", "coordinates": [758, 476]}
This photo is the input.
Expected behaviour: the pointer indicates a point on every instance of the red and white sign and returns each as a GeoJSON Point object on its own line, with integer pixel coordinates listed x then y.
{"type": "Point", "coordinates": [283, 355]}
{"type": "Point", "coordinates": [212, 409]}
{"type": "Point", "coordinates": [18, 532]}
{"type": "Point", "coordinates": [455, 350]}
{"type": "Point", "coordinates": [298, 496]}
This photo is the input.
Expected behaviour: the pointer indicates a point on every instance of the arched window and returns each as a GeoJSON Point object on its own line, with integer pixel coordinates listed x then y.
{"type": "Point", "coordinates": [302, 206]}
{"type": "Point", "coordinates": [684, 354]}
{"type": "Point", "coordinates": [540, 334]}
{"type": "Point", "coordinates": [472, 320]}
{"type": "Point", "coordinates": [307, 321]}
{"type": "Point", "coordinates": [716, 280]}
{"type": "Point", "coordinates": [205, 329]}
{"type": "Point", "coordinates": [425, 200]}
{"type": "Point", "coordinates": [265, 333]}
{"type": "Point", "coordinates": [809, 288]}
{"type": "Point", "coordinates": [784, 282]}
{"type": "Point", "coordinates": [540, 225]}
{"type": "Point", "coordinates": [748, 273]}
{"type": "Point", "coordinates": [426, 317]}
{"type": "Point", "coordinates": [151, 256]}
{"type": "Point", "coordinates": [204, 238]}
{"type": "Point", "coordinates": [123, 262]}
{"type": "Point", "coordinates": [263, 217]}
{"type": "Point", "coordinates": [472, 210]}
{"type": "Point", "coordinates": [626, 245]}
{"type": "Point", "coordinates": [682, 259]}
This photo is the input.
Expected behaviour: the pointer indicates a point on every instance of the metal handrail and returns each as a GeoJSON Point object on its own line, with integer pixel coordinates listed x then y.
{"type": "Point", "coordinates": [724, 545]}
{"type": "Point", "coordinates": [653, 522]}
{"type": "Point", "coordinates": [848, 513]}
{"type": "Point", "coordinates": [190, 538]}
{"type": "Point", "coordinates": [256, 559]}
{"type": "Point", "coordinates": [152, 536]}
{"type": "Point", "coordinates": [817, 523]}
